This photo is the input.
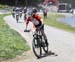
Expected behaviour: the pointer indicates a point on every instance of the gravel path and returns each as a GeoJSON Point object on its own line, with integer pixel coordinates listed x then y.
{"type": "Point", "coordinates": [61, 42]}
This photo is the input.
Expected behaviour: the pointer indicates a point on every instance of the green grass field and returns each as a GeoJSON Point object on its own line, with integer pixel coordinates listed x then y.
{"type": "Point", "coordinates": [52, 21]}
{"type": "Point", "coordinates": [11, 42]}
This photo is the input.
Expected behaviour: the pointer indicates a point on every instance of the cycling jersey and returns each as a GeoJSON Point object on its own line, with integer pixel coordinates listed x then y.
{"type": "Point", "coordinates": [36, 20]}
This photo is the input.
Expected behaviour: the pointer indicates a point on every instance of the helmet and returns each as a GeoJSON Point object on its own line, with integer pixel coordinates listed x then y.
{"type": "Point", "coordinates": [34, 10]}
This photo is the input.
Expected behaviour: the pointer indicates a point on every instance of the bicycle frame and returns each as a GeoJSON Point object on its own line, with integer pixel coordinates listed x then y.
{"type": "Point", "coordinates": [37, 34]}
{"type": "Point", "coordinates": [38, 43]}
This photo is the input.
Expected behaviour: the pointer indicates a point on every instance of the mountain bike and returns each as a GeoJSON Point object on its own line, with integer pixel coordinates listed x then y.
{"type": "Point", "coordinates": [38, 44]}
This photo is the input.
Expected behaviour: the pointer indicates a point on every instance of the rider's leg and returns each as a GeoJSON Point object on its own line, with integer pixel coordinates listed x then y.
{"type": "Point", "coordinates": [43, 33]}
{"type": "Point", "coordinates": [45, 37]}
{"type": "Point", "coordinates": [34, 29]}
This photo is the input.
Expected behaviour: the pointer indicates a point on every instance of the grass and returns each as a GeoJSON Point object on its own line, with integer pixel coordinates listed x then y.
{"type": "Point", "coordinates": [11, 42]}
{"type": "Point", "coordinates": [52, 21]}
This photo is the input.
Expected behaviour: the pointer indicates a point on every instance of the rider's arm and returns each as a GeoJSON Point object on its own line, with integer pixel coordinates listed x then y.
{"type": "Point", "coordinates": [39, 18]}
{"type": "Point", "coordinates": [27, 22]}
{"type": "Point", "coordinates": [42, 21]}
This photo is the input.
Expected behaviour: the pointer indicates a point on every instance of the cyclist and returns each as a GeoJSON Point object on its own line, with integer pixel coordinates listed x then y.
{"type": "Point", "coordinates": [37, 23]}
{"type": "Point", "coordinates": [13, 12]}
{"type": "Point", "coordinates": [17, 13]}
{"type": "Point", "coordinates": [45, 13]}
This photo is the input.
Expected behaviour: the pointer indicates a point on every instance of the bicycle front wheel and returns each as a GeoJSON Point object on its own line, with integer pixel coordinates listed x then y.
{"type": "Point", "coordinates": [36, 48]}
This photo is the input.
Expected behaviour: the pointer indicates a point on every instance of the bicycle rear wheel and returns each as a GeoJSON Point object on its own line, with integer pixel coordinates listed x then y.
{"type": "Point", "coordinates": [45, 47]}
{"type": "Point", "coordinates": [36, 48]}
